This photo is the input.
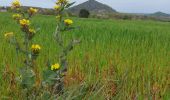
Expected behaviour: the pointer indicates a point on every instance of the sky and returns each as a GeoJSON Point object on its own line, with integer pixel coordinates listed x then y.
{"type": "Point", "coordinates": [126, 6]}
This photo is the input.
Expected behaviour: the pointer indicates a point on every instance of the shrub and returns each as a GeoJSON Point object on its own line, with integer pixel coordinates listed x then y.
{"type": "Point", "coordinates": [84, 13]}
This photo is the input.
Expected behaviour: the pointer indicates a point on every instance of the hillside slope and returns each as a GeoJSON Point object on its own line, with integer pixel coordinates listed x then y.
{"type": "Point", "coordinates": [92, 6]}
{"type": "Point", "coordinates": [160, 14]}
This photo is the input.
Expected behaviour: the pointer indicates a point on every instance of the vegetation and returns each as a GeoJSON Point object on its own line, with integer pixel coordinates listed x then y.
{"type": "Point", "coordinates": [158, 16]}
{"type": "Point", "coordinates": [52, 84]}
{"type": "Point", "coordinates": [84, 13]}
{"type": "Point", "coordinates": [118, 59]}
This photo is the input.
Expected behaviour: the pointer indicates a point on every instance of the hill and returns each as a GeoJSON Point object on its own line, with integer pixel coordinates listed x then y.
{"type": "Point", "coordinates": [93, 6]}
{"type": "Point", "coordinates": [160, 14]}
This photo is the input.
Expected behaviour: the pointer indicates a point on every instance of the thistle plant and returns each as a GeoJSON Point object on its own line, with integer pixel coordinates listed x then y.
{"type": "Point", "coordinates": [52, 83]}
{"type": "Point", "coordinates": [27, 73]}
{"type": "Point", "coordinates": [62, 26]}
{"type": "Point", "coordinates": [53, 77]}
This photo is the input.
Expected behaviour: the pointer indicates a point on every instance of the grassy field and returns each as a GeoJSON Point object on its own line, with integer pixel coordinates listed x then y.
{"type": "Point", "coordinates": [117, 59]}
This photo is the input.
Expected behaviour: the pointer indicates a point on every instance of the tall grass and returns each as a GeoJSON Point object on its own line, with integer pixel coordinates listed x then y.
{"type": "Point", "coordinates": [117, 59]}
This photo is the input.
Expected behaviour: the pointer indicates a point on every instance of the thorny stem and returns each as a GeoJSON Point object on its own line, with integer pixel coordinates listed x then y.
{"type": "Point", "coordinates": [26, 49]}
{"type": "Point", "coordinates": [58, 36]}
{"type": "Point", "coordinates": [59, 86]}
{"type": "Point", "coordinates": [26, 41]}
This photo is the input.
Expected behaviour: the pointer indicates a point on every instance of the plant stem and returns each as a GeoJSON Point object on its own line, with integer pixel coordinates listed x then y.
{"type": "Point", "coordinates": [26, 49]}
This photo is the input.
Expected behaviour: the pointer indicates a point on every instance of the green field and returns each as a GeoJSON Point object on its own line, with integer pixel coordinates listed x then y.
{"type": "Point", "coordinates": [118, 59]}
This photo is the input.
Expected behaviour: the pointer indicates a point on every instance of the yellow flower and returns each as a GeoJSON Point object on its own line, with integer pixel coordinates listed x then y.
{"type": "Point", "coordinates": [68, 22]}
{"type": "Point", "coordinates": [32, 10]}
{"type": "Point", "coordinates": [57, 7]}
{"type": "Point", "coordinates": [16, 4]}
{"type": "Point", "coordinates": [10, 34]}
{"type": "Point", "coordinates": [16, 16]}
{"type": "Point", "coordinates": [62, 2]}
{"type": "Point", "coordinates": [24, 22]}
{"type": "Point", "coordinates": [55, 67]}
{"type": "Point", "coordinates": [35, 48]}
{"type": "Point", "coordinates": [58, 17]}
{"type": "Point", "coordinates": [32, 31]}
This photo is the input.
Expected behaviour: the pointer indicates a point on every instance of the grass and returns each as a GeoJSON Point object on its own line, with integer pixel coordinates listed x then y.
{"type": "Point", "coordinates": [118, 59]}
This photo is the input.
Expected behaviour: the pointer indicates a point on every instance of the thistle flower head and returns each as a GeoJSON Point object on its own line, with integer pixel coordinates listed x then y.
{"type": "Point", "coordinates": [68, 22]}
{"type": "Point", "coordinates": [16, 4]}
{"type": "Point", "coordinates": [58, 17]}
{"type": "Point", "coordinates": [55, 67]}
{"type": "Point", "coordinates": [24, 22]}
{"type": "Point", "coordinates": [62, 2]}
{"type": "Point", "coordinates": [35, 48]}
{"type": "Point", "coordinates": [16, 16]}
{"type": "Point", "coordinates": [32, 31]}
{"type": "Point", "coordinates": [57, 7]}
{"type": "Point", "coordinates": [32, 11]}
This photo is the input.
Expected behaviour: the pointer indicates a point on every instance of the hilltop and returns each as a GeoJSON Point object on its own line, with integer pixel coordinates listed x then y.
{"type": "Point", "coordinates": [93, 6]}
{"type": "Point", "coordinates": [160, 14]}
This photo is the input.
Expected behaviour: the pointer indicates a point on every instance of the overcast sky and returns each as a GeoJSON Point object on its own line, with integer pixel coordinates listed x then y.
{"type": "Point", "coordinates": [129, 6]}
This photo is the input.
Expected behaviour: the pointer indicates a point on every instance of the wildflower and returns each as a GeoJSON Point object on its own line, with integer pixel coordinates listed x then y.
{"type": "Point", "coordinates": [58, 17]}
{"type": "Point", "coordinates": [32, 31]}
{"type": "Point", "coordinates": [57, 7]}
{"type": "Point", "coordinates": [68, 22]}
{"type": "Point", "coordinates": [16, 4]}
{"type": "Point", "coordinates": [10, 34]}
{"type": "Point", "coordinates": [24, 22]}
{"type": "Point", "coordinates": [32, 11]}
{"type": "Point", "coordinates": [16, 16]}
{"type": "Point", "coordinates": [55, 67]}
{"type": "Point", "coordinates": [62, 2]}
{"type": "Point", "coordinates": [35, 48]}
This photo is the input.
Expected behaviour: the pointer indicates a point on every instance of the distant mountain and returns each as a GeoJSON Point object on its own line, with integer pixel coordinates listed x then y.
{"type": "Point", "coordinates": [159, 14]}
{"type": "Point", "coordinates": [93, 6]}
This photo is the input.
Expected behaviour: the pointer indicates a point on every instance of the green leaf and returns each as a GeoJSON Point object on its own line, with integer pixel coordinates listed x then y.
{"type": "Point", "coordinates": [70, 4]}
{"type": "Point", "coordinates": [69, 28]}
{"type": "Point", "coordinates": [48, 77]}
{"type": "Point", "coordinates": [61, 9]}
{"type": "Point", "coordinates": [27, 78]}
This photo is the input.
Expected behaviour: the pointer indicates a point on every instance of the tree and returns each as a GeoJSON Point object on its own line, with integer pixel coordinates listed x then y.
{"type": "Point", "coordinates": [84, 13]}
